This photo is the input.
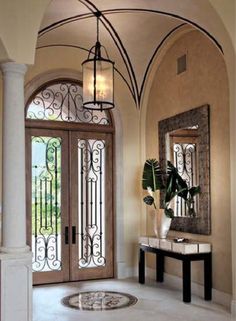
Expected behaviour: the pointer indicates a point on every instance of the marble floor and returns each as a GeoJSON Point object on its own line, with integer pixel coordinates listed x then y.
{"type": "Point", "coordinates": [156, 302]}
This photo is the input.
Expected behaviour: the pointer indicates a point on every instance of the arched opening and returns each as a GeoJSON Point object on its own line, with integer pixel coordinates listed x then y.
{"type": "Point", "coordinates": [69, 185]}
{"type": "Point", "coordinates": [172, 93]}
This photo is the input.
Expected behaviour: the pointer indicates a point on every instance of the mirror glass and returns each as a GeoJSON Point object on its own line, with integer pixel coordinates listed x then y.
{"type": "Point", "coordinates": [184, 140]}
{"type": "Point", "coordinates": [182, 151]}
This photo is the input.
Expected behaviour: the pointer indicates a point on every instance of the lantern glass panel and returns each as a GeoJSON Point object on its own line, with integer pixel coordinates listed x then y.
{"type": "Point", "coordinates": [98, 93]}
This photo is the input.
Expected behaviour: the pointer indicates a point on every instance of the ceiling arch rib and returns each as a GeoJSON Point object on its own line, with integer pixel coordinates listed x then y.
{"type": "Point", "coordinates": [118, 42]}
{"type": "Point", "coordinates": [132, 46]}
{"type": "Point", "coordinates": [59, 24]}
{"type": "Point", "coordinates": [154, 55]}
{"type": "Point", "coordinates": [175, 16]}
{"type": "Point", "coordinates": [87, 50]}
{"type": "Point", "coordinates": [62, 22]}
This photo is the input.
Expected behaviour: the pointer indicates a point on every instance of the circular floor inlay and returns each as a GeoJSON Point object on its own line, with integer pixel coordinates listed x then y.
{"type": "Point", "coordinates": [99, 300]}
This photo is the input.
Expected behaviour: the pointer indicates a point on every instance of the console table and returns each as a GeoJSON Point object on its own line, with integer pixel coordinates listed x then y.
{"type": "Point", "coordinates": [187, 253]}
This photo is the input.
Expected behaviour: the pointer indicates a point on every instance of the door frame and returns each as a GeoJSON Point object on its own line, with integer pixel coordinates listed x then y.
{"type": "Point", "coordinates": [32, 88]}
{"type": "Point", "coordinates": [32, 126]}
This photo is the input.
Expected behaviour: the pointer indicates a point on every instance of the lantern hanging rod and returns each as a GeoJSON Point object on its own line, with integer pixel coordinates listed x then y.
{"type": "Point", "coordinates": [98, 77]}
{"type": "Point", "coordinates": [98, 15]}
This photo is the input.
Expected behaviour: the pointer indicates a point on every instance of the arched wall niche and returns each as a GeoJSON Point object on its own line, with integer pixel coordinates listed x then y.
{"type": "Point", "coordinates": [230, 60]}
{"type": "Point", "coordinates": [204, 82]}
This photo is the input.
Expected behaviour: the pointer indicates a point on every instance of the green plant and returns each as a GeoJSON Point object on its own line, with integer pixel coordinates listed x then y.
{"type": "Point", "coordinates": [170, 182]}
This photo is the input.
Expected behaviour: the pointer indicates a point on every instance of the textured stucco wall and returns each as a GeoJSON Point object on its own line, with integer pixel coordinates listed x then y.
{"type": "Point", "coordinates": [204, 82]}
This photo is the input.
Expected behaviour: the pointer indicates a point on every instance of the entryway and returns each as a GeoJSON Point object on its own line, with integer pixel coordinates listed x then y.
{"type": "Point", "coordinates": [69, 186]}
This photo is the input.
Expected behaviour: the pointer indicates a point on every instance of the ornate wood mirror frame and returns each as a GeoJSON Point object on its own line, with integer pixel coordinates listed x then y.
{"type": "Point", "coordinates": [195, 118]}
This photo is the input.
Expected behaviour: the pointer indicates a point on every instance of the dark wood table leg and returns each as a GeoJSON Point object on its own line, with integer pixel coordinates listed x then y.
{"type": "Point", "coordinates": [160, 267]}
{"type": "Point", "coordinates": [141, 273]}
{"type": "Point", "coordinates": [208, 277]}
{"type": "Point", "coordinates": [186, 280]}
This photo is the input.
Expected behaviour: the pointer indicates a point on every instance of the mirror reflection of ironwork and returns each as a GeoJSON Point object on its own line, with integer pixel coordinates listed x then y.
{"type": "Point", "coordinates": [46, 203]}
{"type": "Point", "coordinates": [183, 154]}
{"type": "Point", "coordinates": [91, 198]}
{"type": "Point", "coordinates": [62, 101]}
{"type": "Point", "coordinates": [189, 133]}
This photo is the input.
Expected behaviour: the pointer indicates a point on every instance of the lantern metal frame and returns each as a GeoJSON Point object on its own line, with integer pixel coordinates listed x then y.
{"type": "Point", "coordinates": [97, 57]}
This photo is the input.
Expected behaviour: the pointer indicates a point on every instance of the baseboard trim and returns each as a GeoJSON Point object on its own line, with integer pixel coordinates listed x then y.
{"type": "Point", "coordinates": [197, 289]}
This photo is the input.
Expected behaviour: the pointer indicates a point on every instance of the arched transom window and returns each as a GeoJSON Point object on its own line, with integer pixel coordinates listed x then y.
{"type": "Point", "coordinates": [62, 101]}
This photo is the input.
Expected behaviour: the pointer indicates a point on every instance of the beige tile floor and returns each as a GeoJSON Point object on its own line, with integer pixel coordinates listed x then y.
{"type": "Point", "coordinates": [156, 302]}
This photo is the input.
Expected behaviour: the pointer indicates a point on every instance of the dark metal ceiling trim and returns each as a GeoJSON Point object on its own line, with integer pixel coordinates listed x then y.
{"type": "Point", "coordinates": [130, 10]}
{"type": "Point", "coordinates": [113, 33]}
{"type": "Point", "coordinates": [133, 86]}
{"type": "Point", "coordinates": [63, 22]}
{"type": "Point", "coordinates": [122, 10]}
{"type": "Point", "coordinates": [81, 48]}
{"type": "Point", "coordinates": [154, 55]}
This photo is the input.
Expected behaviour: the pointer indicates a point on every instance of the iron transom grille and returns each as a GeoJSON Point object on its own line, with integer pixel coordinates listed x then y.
{"type": "Point", "coordinates": [62, 101]}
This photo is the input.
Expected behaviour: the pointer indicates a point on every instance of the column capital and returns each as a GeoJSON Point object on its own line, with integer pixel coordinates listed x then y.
{"type": "Point", "coordinates": [13, 68]}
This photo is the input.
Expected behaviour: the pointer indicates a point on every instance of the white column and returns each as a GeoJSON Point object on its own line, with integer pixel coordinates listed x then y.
{"type": "Point", "coordinates": [15, 257]}
{"type": "Point", "coordinates": [14, 207]}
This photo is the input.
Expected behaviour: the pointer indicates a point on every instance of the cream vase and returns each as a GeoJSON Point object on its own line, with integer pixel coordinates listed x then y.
{"type": "Point", "coordinates": [161, 224]}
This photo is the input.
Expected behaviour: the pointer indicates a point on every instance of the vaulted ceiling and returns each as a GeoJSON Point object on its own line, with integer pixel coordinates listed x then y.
{"type": "Point", "coordinates": [131, 33]}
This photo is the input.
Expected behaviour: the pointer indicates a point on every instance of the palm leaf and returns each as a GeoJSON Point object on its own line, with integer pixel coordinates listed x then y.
{"type": "Point", "coordinates": [152, 175]}
{"type": "Point", "coordinates": [170, 188]}
{"type": "Point", "coordinates": [178, 184]}
{"type": "Point", "coordinates": [169, 212]}
{"type": "Point", "coordinates": [194, 190]}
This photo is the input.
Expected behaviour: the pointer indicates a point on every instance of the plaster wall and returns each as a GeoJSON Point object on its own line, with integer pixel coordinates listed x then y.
{"type": "Point", "coordinates": [19, 25]}
{"type": "Point", "coordinates": [204, 82]}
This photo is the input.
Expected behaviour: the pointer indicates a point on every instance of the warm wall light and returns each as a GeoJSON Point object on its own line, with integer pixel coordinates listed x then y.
{"type": "Point", "coordinates": [98, 77]}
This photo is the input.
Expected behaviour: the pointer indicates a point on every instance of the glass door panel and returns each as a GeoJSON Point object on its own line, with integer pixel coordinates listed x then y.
{"type": "Point", "coordinates": [47, 169]}
{"type": "Point", "coordinates": [91, 193]}
{"type": "Point", "coordinates": [69, 205]}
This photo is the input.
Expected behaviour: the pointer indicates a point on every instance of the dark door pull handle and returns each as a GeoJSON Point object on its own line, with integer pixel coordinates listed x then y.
{"type": "Point", "coordinates": [73, 234]}
{"type": "Point", "coordinates": [66, 235]}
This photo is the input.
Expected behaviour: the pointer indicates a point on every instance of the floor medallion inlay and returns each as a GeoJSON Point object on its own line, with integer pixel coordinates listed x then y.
{"type": "Point", "coordinates": [99, 300]}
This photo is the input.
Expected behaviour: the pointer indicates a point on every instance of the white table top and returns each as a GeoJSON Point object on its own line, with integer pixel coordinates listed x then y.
{"type": "Point", "coordinates": [169, 244]}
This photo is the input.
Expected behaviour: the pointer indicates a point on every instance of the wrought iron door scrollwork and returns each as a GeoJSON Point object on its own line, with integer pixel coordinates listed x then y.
{"type": "Point", "coordinates": [46, 203]}
{"type": "Point", "coordinates": [91, 183]}
{"type": "Point", "coordinates": [62, 101]}
{"type": "Point", "coordinates": [92, 253]}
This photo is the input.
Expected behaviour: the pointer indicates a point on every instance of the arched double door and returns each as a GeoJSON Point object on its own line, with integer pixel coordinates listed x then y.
{"type": "Point", "coordinates": [69, 165]}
